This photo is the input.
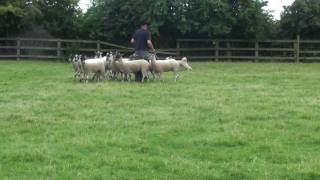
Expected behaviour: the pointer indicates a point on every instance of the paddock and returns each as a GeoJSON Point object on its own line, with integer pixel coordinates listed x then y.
{"type": "Point", "coordinates": [221, 120]}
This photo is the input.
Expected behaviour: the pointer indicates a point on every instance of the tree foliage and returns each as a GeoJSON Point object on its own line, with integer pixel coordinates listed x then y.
{"type": "Point", "coordinates": [251, 21]}
{"type": "Point", "coordinates": [171, 19]}
{"type": "Point", "coordinates": [61, 18]}
{"type": "Point", "coordinates": [302, 17]}
{"type": "Point", "coordinates": [15, 15]}
{"type": "Point", "coordinates": [116, 20]}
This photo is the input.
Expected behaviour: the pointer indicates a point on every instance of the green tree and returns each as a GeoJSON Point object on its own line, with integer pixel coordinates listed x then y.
{"type": "Point", "coordinates": [16, 15]}
{"type": "Point", "coordinates": [116, 20]}
{"type": "Point", "coordinates": [251, 21]}
{"type": "Point", "coordinates": [60, 18]}
{"type": "Point", "coordinates": [302, 17]}
{"type": "Point", "coordinates": [170, 19]}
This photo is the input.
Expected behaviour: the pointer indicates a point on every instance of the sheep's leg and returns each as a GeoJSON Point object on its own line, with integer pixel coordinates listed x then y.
{"type": "Point", "coordinates": [177, 75]}
{"type": "Point", "coordinates": [94, 77]}
{"type": "Point", "coordinates": [103, 73]}
{"type": "Point", "coordinates": [153, 76]}
{"type": "Point", "coordinates": [129, 77]}
{"type": "Point", "coordinates": [161, 77]}
{"type": "Point", "coordinates": [101, 77]}
{"type": "Point", "coordinates": [86, 76]}
{"type": "Point", "coordinates": [81, 76]}
{"type": "Point", "coordinates": [97, 76]}
{"type": "Point", "coordinates": [77, 76]}
{"type": "Point", "coordinates": [108, 75]}
{"type": "Point", "coordinates": [105, 76]}
{"type": "Point", "coordinates": [123, 76]}
{"type": "Point", "coordinates": [149, 75]}
{"type": "Point", "coordinates": [111, 75]}
{"type": "Point", "coordinates": [144, 75]}
{"type": "Point", "coordinates": [114, 75]}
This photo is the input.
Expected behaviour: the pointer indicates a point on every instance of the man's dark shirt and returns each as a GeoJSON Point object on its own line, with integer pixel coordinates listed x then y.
{"type": "Point", "coordinates": [141, 37]}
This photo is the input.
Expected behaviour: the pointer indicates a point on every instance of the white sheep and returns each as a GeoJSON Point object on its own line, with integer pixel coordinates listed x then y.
{"type": "Point", "coordinates": [127, 67]}
{"type": "Point", "coordinates": [114, 66]}
{"type": "Point", "coordinates": [97, 66]}
{"type": "Point", "coordinates": [77, 65]}
{"type": "Point", "coordinates": [160, 66]}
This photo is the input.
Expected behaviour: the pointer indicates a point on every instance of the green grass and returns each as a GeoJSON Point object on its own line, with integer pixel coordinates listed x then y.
{"type": "Point", "coordinates": [220, 121]}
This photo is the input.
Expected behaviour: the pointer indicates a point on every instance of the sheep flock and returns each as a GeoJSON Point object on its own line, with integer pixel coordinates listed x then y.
{"type": "Point", "coordinates": [113, 66]}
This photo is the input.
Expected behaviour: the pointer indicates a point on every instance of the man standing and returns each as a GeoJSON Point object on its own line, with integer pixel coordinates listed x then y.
{"type": "Point", "coordinates": [142, 43]}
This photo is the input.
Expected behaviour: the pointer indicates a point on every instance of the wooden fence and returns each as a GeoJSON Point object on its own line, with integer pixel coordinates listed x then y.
{"type": "Point", "coordinates": [207, 49]}
{"type": "Point", "coordinates": [19, 48]}
{"type": "Point", "coordinates": [265, 50]}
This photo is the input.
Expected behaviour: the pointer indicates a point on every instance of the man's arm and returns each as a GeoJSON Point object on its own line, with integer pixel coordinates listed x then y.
{"type": "Point", "coordinates": [133, 38]}
{"type": "Point", "coordinates": [150, 45]}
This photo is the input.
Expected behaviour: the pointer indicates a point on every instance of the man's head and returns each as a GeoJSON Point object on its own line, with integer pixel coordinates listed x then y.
{"type": "Point", "coordinates": [144, 25]}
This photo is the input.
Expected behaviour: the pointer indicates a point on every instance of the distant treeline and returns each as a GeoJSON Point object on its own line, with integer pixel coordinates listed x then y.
{"type": "Point", "coordinates": [116, 20]}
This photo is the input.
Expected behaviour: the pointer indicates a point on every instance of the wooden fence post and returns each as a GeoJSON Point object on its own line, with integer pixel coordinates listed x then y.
{"type": "Point", "coordinates": [178, 49]}
{"type": "Point", "coordinates": [217, 51]}
{"type": "Point", "coordinates": [18, 48]}
{"type": "Point", "coordinates": [297, 49]}
{"type": "Point", "coordinates": [58, 48]}
{"type": "Point", "coordinates": [98, 45]}
{"type": "Point", "coordinates": [256, 51]}
{"type": "Point", "coordinates": [228, 50]}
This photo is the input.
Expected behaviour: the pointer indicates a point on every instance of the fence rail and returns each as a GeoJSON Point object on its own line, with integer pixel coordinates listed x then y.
{"type": "Point", "coordinates": [234, 49]}
{"type": "Point", "coordinates": [213, 49]}
{"type": "Point", "coordinates": [51, 48]}
{"type": "Point", "coordinates": [58, 48]}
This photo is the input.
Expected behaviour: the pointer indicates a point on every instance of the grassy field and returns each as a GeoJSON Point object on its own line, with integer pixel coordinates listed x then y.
{"type": "Point", "coordinates": [221, 120]}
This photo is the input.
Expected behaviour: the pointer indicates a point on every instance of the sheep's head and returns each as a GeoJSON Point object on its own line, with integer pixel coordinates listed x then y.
{"type": "Point", "coordinates": [111, 57]}
{"type": "Point", "coordinates": [118, 57]}
{"type": "Point", "coordinates": [153, 57]}
{"type": "Point", "coordinates": [184, 64]}
{"type": "Point", "coordinates": [98, 54]}
{"type": "Point", "coordinates": [76, 58]}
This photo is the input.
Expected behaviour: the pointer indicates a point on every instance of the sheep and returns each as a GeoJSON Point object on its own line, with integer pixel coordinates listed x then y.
{"type": "Point", "coordinates": [160, 66]}
{"type": "Point", "coordinates": [107, 74]}
{"type": "Point", "coordinates": [114, 65]}
{"type": "Point", "coordinates": [77, 65]}
{"type": "Point", "coordinates": [128, 67]}
{"type": "Point", "coordinates": [97, 66]}
{"type": "Point", "coordinates": [108, 69]}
